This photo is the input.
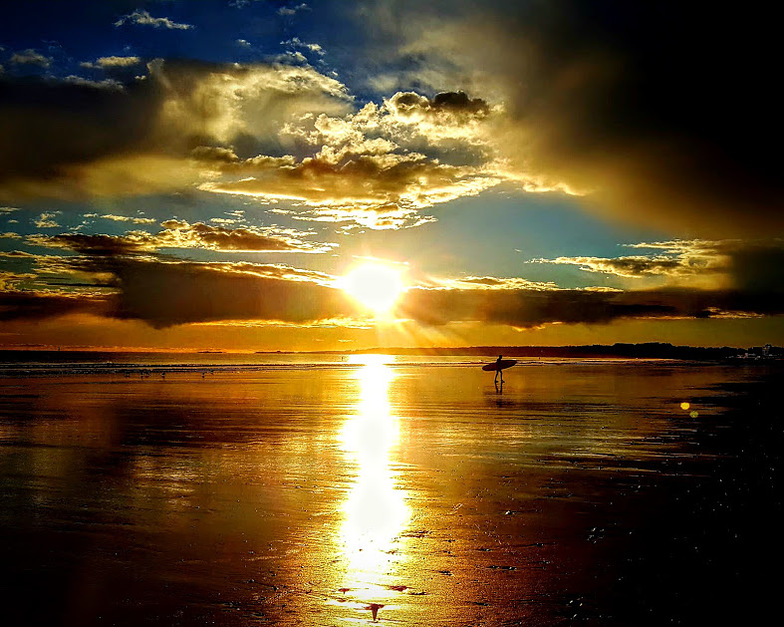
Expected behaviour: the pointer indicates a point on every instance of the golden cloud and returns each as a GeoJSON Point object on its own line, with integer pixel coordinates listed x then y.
{"type": "Point", "coordinates": [374, 190]}
{"type": "Point", "coordinates": [181, 234]}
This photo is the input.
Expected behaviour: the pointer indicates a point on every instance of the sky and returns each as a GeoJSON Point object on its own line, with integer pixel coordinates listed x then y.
{"type": "Point", "coordinates": [215, 175]}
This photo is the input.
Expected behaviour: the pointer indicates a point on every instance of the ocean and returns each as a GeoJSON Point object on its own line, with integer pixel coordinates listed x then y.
{"type": "Point", "coordinates": [157, 489]}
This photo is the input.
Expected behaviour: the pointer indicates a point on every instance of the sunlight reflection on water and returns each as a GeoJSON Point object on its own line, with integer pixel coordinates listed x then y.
{"type": "Point", "coordinates": [375, 511]}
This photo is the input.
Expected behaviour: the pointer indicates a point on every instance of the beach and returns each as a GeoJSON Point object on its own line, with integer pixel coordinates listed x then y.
{"type": "Point", "coordinates": [297, 490]}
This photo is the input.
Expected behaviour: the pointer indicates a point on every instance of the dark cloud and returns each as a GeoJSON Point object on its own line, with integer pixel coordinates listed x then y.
{"type": "Point", "coordinates": [526, 308]}
{"type": "Point", "coordinates": [488, 281]}
{"type": "Point", "coordinates": [758, 268]}
{"type": "Point", "coordinates": [685, 263]}
{"type": "Point", "coordinates": [458, 101]}
{"type": "Point", "coordinates": [47, 125]}
{"type": "Point", "coordinates": [453, 103]}
{"type": "Point", "coordinates": [521, 308]}
{"type": "Point", "coordinates": [748, 265]}
{"type": "Point", "coordinates": [164, 294]}
{"type": "Point", "coordinates": [29, 305]}
{"type": "Point", "coordinates": [666, 112]}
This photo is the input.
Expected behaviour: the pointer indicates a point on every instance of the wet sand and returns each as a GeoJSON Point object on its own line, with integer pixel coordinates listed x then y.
{"type": "Point", "coordinates": [585, 493]}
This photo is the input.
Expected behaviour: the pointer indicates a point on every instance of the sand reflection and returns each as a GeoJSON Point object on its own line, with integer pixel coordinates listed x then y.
{"type": "Point", "coordinates": [375, 511]}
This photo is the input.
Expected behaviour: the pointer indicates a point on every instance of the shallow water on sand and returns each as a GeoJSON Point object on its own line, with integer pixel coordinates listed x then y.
{"type": "Point", "coordinates": [606, 493]}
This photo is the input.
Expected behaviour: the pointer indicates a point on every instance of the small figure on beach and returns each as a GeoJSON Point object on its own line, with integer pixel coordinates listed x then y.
{"type": "Point", "coordinates": [498, 366]}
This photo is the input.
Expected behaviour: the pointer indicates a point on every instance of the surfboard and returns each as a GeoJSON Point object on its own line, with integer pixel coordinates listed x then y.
{"type": "Point", "coordinates": [503, 365]}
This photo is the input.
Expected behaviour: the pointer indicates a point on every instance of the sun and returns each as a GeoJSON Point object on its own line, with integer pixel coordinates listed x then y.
{"type": "Point", "coordinates": [375, 286]}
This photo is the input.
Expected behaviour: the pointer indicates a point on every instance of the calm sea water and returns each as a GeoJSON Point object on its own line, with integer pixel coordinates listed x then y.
{"type": "Point", "coordinates": [275, 490]}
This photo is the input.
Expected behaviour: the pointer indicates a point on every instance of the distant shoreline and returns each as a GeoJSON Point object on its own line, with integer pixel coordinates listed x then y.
{"type": "Point", "coordinates": [649, 350]}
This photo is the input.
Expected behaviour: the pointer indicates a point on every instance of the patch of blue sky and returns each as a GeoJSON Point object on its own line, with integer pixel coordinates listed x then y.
{"type": "Point", "coordinates": [85, 31]}
{"type": "Point", "coordinates": [502, 234]}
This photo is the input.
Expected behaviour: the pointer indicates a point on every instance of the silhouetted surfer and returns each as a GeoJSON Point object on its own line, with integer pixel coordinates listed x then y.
{"type": "Point", "coordinates": [498, 366]}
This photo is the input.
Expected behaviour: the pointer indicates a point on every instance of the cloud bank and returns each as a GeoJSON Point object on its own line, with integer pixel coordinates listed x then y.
{"type": "Point", "coordinates": [116, 278]}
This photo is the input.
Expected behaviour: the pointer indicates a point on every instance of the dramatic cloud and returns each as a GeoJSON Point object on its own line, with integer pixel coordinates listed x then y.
{"type": "Point", "coordinates": [164, 293]}
{"type": "Point", "coordinates": [273, 132]}
{"type": "Point", "coordinates": [447, 110]}
{"type": "Point", "coordinates": [489, 283]}
{"type": "Point", "coordinates": [647, 108]}
{"type": "Point", "coordinates": [563, 96]}
{"type": "Point", "coordinates": [379, 167]}
{"type": "Point", "coordinates": [96, 244]}
{"type": "Point", "coordinates": [71, 140]}
{"type": "Point", "coordinates": [145, 19]}
{"type": "Point", "coordinates": [630, 266]}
